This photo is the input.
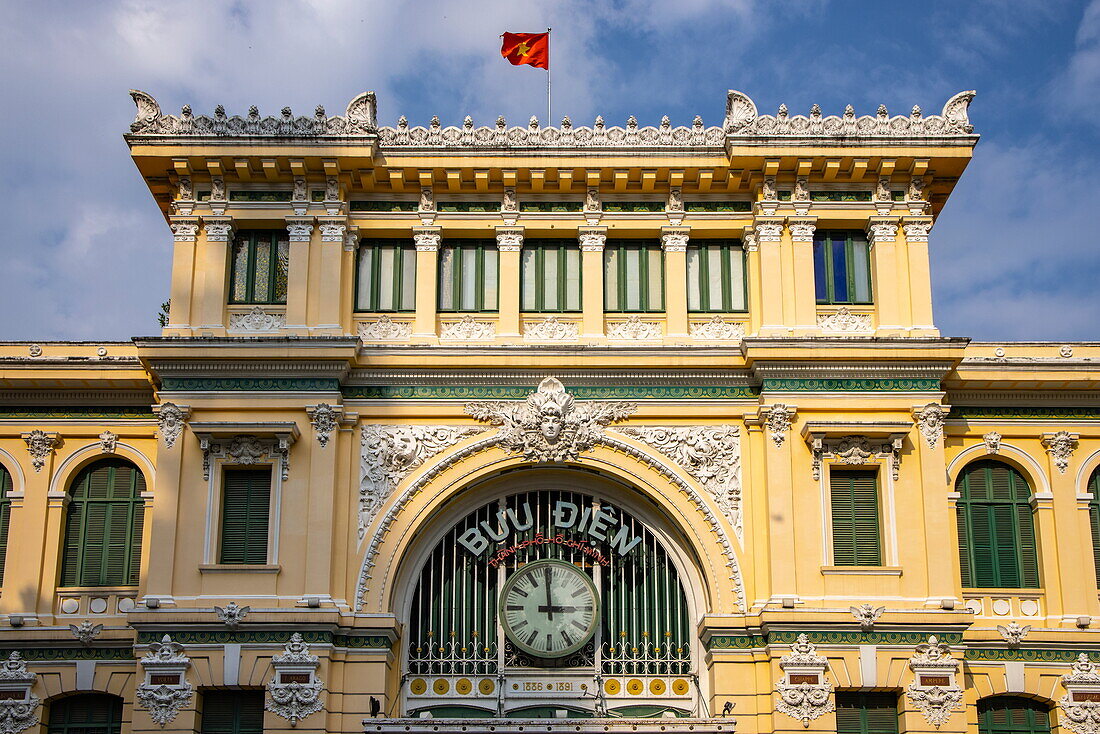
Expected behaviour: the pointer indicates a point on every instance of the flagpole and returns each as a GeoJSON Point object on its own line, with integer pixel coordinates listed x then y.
{"type": "Point", "coordinates": [549, 116]}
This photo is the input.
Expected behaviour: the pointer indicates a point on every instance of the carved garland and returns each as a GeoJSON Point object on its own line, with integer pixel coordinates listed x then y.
{"type": "Point", "coordinates": [1080, 707]}
{"type": "Point", "coordinates": [804, 692]}
{"type": "Point", "coordinates": [19, 707]}
{"type": "Point", "coordinates": [294, 692]}
{"type": "Point", "coordinates": [165, 690]}
{"type": "Point", "coordinates": [934, 690]}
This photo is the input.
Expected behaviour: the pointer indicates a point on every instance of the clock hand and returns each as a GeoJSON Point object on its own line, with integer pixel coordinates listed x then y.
{"type": "Point", "coordinates": [549, 603]}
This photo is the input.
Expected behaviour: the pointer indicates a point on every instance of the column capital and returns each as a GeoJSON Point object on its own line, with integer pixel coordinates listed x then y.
{"type": "Point", "coordinates": [768, 229]}
{"type": "Point", "coordinates": [184, 229]}
{"type": "Point", "coordinates": [674, 239]}
{"type": "Point", "coordinates": [748, 239]}
{"type": "Point", "coordinates": [592, 239]}
{"type": "Point", "coordinates": [882, 229]}
{"type": "Point", "coordinates": [509, 239]}
{"type": "Point", "coordinates": [218, 229]}
{"type": "Point", "coordinates": [916, 228]}
{"type": "Point", "coordinates": [300, 228]}
{"type": "Point", "coordinates": [332, 228]}
{"type": "Point", "coordinates": [802, 228]}
{"type": "Point", "coordinates": [351, 239]}
{"type": "Point", "coordinates": [427, 239]}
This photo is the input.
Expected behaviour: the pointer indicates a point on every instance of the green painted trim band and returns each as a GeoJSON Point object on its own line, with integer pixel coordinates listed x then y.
{"type": "Point", "coordinates": [50, 654]}
{"type": "Point", "coordinates": [520, 392]}
{"type": "Point", "coordinates": [221, 637]}
{"type": "Point", "coordinates": [827, 637]}
{"type": "Point", "coordinates": [77, 411]}
{"type": "Point", "coordinates": [1025, 654]}
{"type": "Point", "coordinates": [247, 384]}
{"type": "Point", "coordinates": [851, 384]}
{"type": "Point", "coordinates": [1023, 412]}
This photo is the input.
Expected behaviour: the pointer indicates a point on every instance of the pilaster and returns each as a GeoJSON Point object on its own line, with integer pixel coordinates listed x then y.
{"type": "Point", "coordinates": [941, 559]}
{"type": "Point", "coordinates": [328, 281]}
{"type": "Point", "coordinates": [804, 293]}
{"type": "Point", "coordinates": [769, 238]}
{"type": "Point", "coordinates": [916, 229]}
{"type": "Point", "coordinates": [889, 290]}
{"type": "Point", "coordinates": [755, 302]}
{"type": "Point", "coordinates": [213, 261]}
{"type": "Point", "coordinates": [349, 258]}
{"type": "Point", "coordinates": [592, 240]}
{"type": "Point", "coordinates": [674, 242]}
{"type": "Point", "coordinates": [158, 575]}
{"type": "Point", "coordinates": [509, 247]}
{"type": "Point", "coordinates": [301, 232]}
{"type": "Point", "coordinates": [427, 241]}
{"type": "Point", "coordinates": [185, 231]}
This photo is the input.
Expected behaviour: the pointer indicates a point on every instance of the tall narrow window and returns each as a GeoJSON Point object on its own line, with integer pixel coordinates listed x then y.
{"type": "Point", "coordinates": [865, 712]}
{"type": "Point", "coordinates": [855, 517]}
{"type": "Point", "coordinates": [1094, 520]}
{"type": "Point", "coordinates": [246, 506]}
{"type": "Point", "coordinates": [88, 713]}
{"type": "Point", "coordinates": [551, 275]}
{"type": "Point", "coordinates": [842, 267]}
{"type": "Point", "coordinates": [261, 259]}
{"type": "Point", "coordinates": [232, 712]}
{"type": "Point", "coordinates": [633, 275]}
{"type": "Point", "coordinates": [468, 275]}
{"type": "Point", "coordinates": [715, 275]}
{"type": "Point", "coordinates": [996, 527]}
{"type": "Point", "coordinates": [103, 525]}
{"type": "Point", "coordinates": [1012, 715]}
{"type": "Point", "coordinates": [386, 276]}
{"type": "Point", "coordinates": [5, 517]}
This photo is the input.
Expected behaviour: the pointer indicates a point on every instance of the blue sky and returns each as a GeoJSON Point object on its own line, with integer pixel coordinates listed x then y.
{"type": "Point", "coordinates": [1016, 252]}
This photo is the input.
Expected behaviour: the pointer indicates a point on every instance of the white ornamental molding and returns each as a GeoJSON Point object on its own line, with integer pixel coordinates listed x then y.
{"type": "Point", "coordinates": [294, 692]}
{"type": "Point", "coordinates": [1012, 633]}
{"type": "Point", "coordinates": [184, 231]}
{"type": "Point", "coordinates": [384, 329]}
{"type": "Point", "coordinates": [804, 692]}
{"type": "Point", "coordinates": [675, 201]}
{"type": "Point", "coordinates": [35, 350]}
{"type": "Point", "coordinates": [711, 455]}
{"type": "Point", "coordinates": [882, 189]}
{"type": "Point", "coordinates": [299, 230]}
{"type": "Point", "coordinates": [768, 230]}
{"type": "Point", "coordinates": [930, 420]}
{"type": "Point", "coordinates": [86, 632]}
{"type": "Point", "coordinates": [592, 241]}
{"type": "Point", "coordinates": [777, 419]}
{"type": "Point", "coordinates": [748, 240]}
{"type": "Point", "coordinates": [40, 445]}
{"type": "Point", "coordinates": [916, 189]}
{"type": "Point", "coordinates": [323, 418]}
{"type": "Point", "coordinates": [510, 203]}
{"type": "Point", "coordinates": [219, 231]}
{"type": "Point", "coordinates": [165, 690]}
{"type": "Point", "coordinates": [299, 192]}
{"type": "Point", "coordinates": [468, 329]}
{"type": "Point", "coordinates": [108, 442]}
{"type": "Point", "coordinates": [426, 241]}
{"type": "Point", "coordinates": [332, 231]}
{"type": "Point", "coordinates": [917, 231]}
{"type": "Point", "coordinates": [217, 188]}
{"type": "Point", "coordinates": [170, 420]}
{"type": "Point", "coordinates": [18, 707]}
{"type": "Point", "coordinates": [184, 190]}
{"type": "Point", "coordinates": [550, 425]}
{"type": "Point", "coordinates": [634, 329]}
{"type": "Point", "coordinates": [802, 230]}
{"type": "Point", "coordinates": [843, 321]}
{"type": "Point", "coordinates": [1081, 704]}
{"type": "Point", "coordinates": [992, 442]}
{"type": "Point", "coordinates": [854, 450]}
{"type": "Point", "coordinates": [878, 231]}
{"type": "Point", "coordinates": [718, 329]}
{"type": "Point", "coordinates": [1060, 446]}
{"type": "Point", "coordinates": [934, 690]}
{"type": "Point", "coordinates": [551, 328]}
{"type": "Point", "coordinates": [768, 190]}
{"type": "Point", "coordinates": [247, 450]}
{"type": "Point", "coordinates": [332, 188]}
{"type": "Point", "coordinates": [801, 189]}
{"type": "Point", "coordinates": [351, 239]}
{"type": "Point", "coordinates": [389, 453]}
{"type": "Point", "coordinates": [674, 240]}
{"type": "Point", "coordinates": [509, 240]}
{"type": "Point", "coordinates": [866, 615]}
{"type": "Point", "coordinates": [231, 615]}
{"type": "Point", "coordinates": [257, 320]}
{"type": "Point", "coordinates": [427, 199]}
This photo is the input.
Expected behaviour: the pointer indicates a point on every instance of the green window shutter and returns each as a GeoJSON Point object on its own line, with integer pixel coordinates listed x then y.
{"type": "Point", "coordinates": [246, 503]}
{"type": "Point", "coordinates": [855, 518]}
{"type": "Point", "coordinates": [103, 526]}
{"type": "Point", "coordinates": [232, 712]}
{"type": "Point", "coordinates": [5, 517]}
{"type": "Point", "coordinates": [998, 547]}
{"type": "Point", "coordinates": [90, 713]}
{"type": "Point", "coordinates": [1094, 521]}
{"type": "Point", "coordinates": [864, 712]}
{"type": "Point", "coordinates": [1012, 715]}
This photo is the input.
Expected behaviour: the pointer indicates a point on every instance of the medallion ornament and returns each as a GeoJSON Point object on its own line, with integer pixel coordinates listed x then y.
{"type": "Point", "coordinates": [1060, 446]}
{"type": "Point", "coordinates": [108, 442]}
{"type": "Point", "coordinates": [384, 329]}
{"type": "Point", "coordinates": [1012, 633]}
{"type": "Point", "coordinates": [86, 632]}
{"type": "Point", "coordinates": [231, 615]}
{"type": "Point", "coordinates": [866, 615]}
{"type": "Point", "coordinates": [40, 445]}
{"type": "Point", "coordinates": [992, 442]}
{"type": "Point", "coordinates": [289, 696]}
{"type": "Point", "coordinates": [930, 420]}
{"type": "Point", "coordinates": [777, 420]}
{"type": "Point", "coordinates": [804, 692]}
{"type": "Point", "coordinates": [550, 425]}
{"type": "Point", "coordinates": [1080, 707]}
{"type": "Point", "coordinates": [718, 329]}
{"type": "Point", "coordinates": [170, 420]}
{"type": "Point", "coordinates": [634, 329]}
{"type": "Point", "coordinates": [323, 419]}
{"type": "Point", "coordinates": [256, 320]}
{"type": "Point", "coordinates": [20, 712]}
{"type": "Point", "coordinates": [468, 329]}
{"type": "Point", "coordinates": [165, 661]}
{"type": "Point", "coordinates": [551, 329]}
{"type": "Point", "coordinates": [844, 321]}
{"type": "Point", "coordinates": [934, 691]}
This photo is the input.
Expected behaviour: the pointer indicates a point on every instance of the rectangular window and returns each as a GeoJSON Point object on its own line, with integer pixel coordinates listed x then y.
{"type": "Point", "coordinates": [551, 274]}
{"type": "Point", "coordinates": [855, 517]}
{"type": "Point", "coordinates": [859, 712]}
{"type": "Point", "coordinates": [232, 712]}
{"type": "Point", "coordinates": [842, 267]}
{"type": "Point", "coordinates": [261, 259]}
{"type": "Point", "coordinates": [468, 275]}
{"type": "Point", "coordinates": [716, 275]}
{"type": "Point", "coordinates": [633, 275]}
{"type": "Point", "coordinates": [385, 276]}
{"type": "Point", "coordinates": [246, 506]}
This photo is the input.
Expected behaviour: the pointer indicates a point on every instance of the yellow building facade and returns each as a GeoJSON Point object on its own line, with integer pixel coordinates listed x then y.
{"type": "Point", "coordinates": [590, 428]}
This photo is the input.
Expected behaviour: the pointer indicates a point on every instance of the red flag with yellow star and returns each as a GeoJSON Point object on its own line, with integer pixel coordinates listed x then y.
{"type": "Point", "coordinates": [527, 48]}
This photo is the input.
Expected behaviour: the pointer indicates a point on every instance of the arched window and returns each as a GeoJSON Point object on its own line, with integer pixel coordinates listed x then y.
{"type": "Point", "coordinates": [1094, 520]}
{"type": "Point", "coordinates": [5, 517]}
{"type": "Point", "coordinates": [996, 527]}
{"type": "Point", "coordinates": [103, 523]}
{"type": "Point", "coordinates": [1012, 715]}
{"type": "Point", "coordinates": [89, 713]}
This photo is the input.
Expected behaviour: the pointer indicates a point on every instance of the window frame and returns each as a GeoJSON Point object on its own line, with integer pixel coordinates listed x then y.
{"type": "Point", "coordinates": [725, 247]}
{"type": "Point", "coordinates": [563, 247]}
{"type": "Point", "coordinates": [1030, 707]}
{"type": "Point", "coordinates": [860, 699]}
{"type": "Point", "coordinates": [112, 725]}
{"type": "Point", "coordinates": [624, 245]}
{"type": "Point", "coordinates": [257, 469]}
{"type": "Point", "coordinates": [237, 696]}
{"type": "Point", "coordinates": [827, 237]}
{"type": "Point", "coordinates": [1093, 487]}
{"type": "Point", "coordinates": [77, 508]}
{"type": "Point", "coordinates": [7, 486]}
{"type": "Point", "coordinates": [271, 297]}
{"type": "Point", "coordinates": [965, 515]}
{"type": "Point", "coordinates": [879, 550]}
{"type": "Point", "coordinates": [482, 246]}
{"type": "Point", "coordinates": [405, 252]}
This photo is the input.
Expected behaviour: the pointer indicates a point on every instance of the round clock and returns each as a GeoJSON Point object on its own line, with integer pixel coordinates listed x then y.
{"type": "Point", "coordinates": [549, 609]}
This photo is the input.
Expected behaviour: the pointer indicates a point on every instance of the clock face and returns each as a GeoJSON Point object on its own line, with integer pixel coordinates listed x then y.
{"type": "Point", "coordinates": [549, 608]}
